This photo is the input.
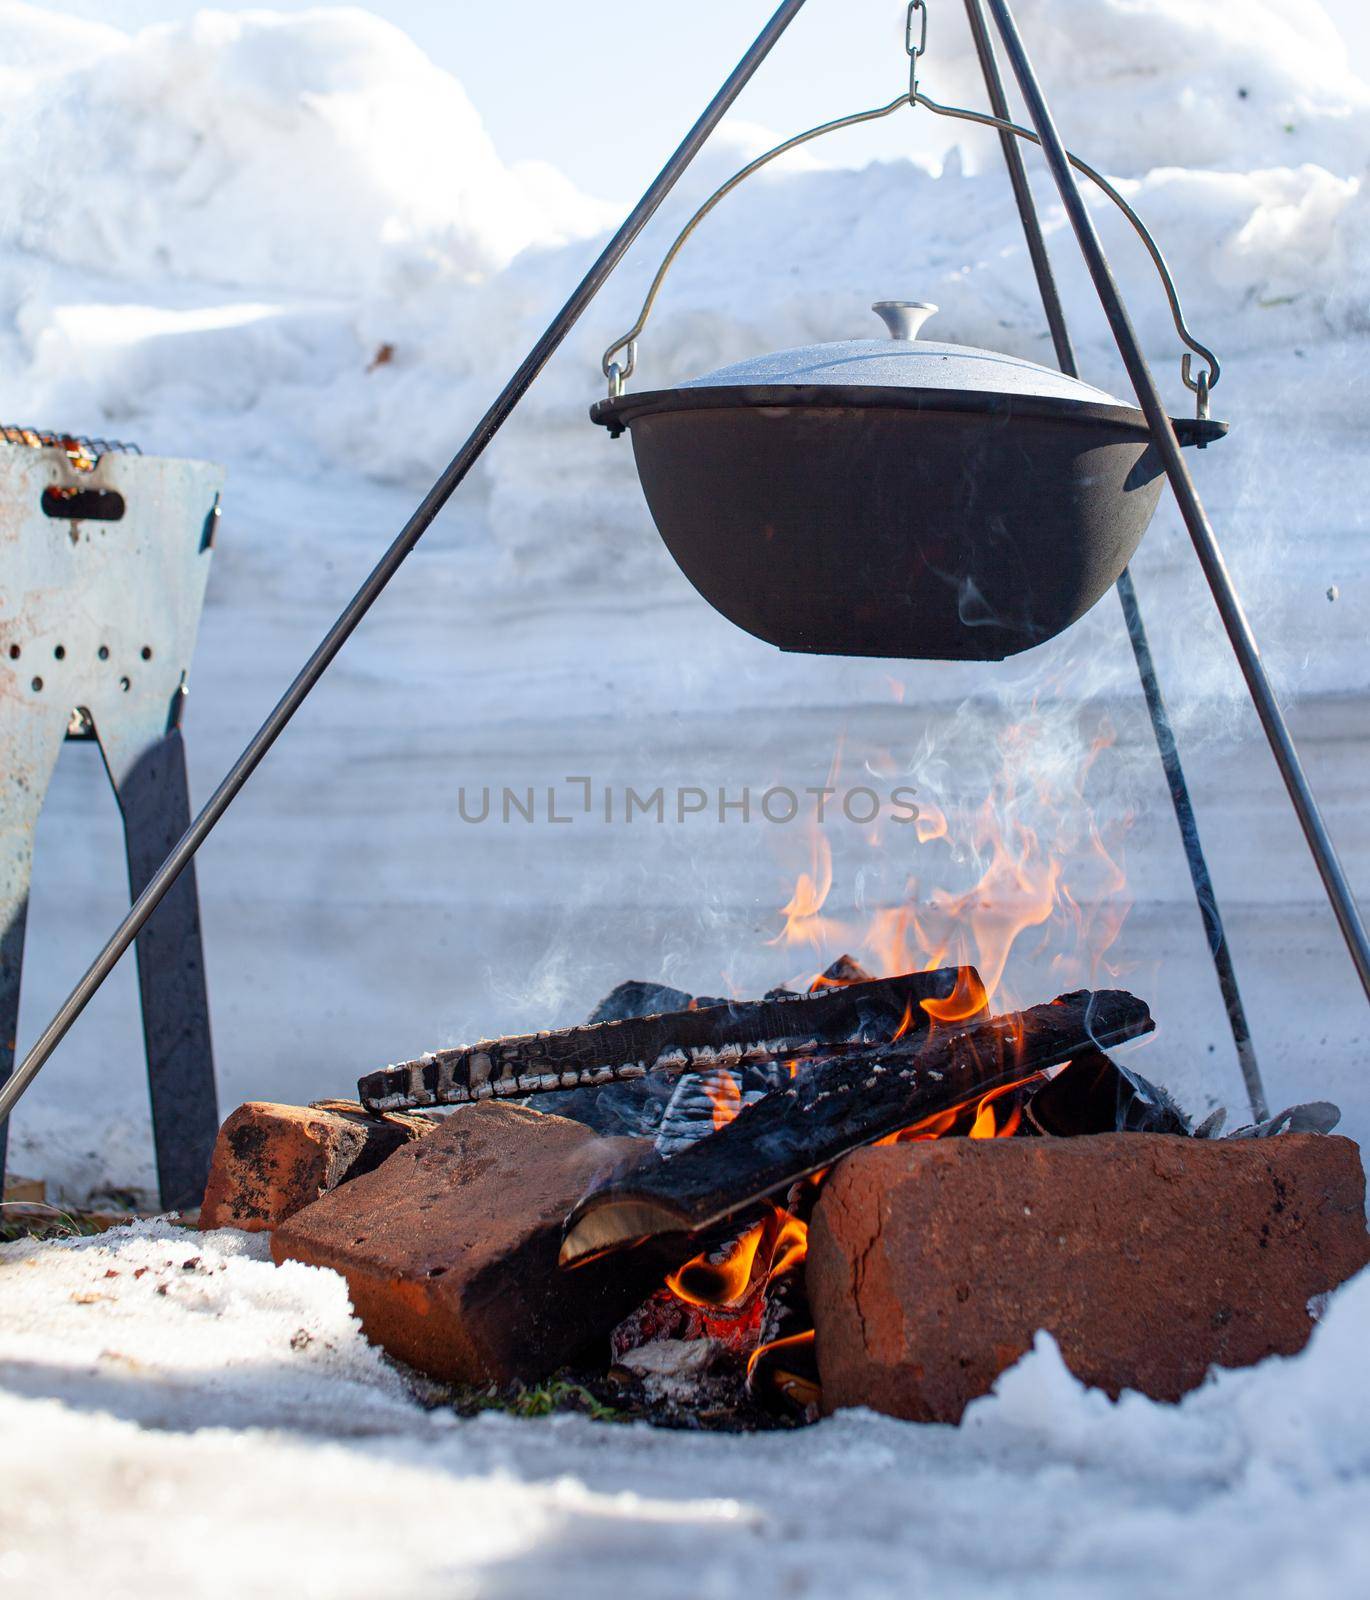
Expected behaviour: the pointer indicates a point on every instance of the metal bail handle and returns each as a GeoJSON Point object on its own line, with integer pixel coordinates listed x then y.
{"type": "Point", "coordinates": [915, 43]}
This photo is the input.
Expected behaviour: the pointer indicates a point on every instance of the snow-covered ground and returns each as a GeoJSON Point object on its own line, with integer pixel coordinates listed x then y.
{"type": "Point", "coordinates": [207, 234]}
{"type": "Point", "coordinates": [181, 1417]}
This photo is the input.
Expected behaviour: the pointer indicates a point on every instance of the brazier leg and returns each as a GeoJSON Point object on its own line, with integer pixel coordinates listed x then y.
{"type": "Point", "coordinates": [28, 752]}
{"type": "Point", "coordinates": [149, 778]}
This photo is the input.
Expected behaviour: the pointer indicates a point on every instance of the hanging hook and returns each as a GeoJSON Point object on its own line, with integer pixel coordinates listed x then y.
{"type": "Point", "coordinates": [1200, 391]}
{"type": "Point", "coordinates": [1200, 385]}
{"type": "Point", "coordinates": [618, 374]}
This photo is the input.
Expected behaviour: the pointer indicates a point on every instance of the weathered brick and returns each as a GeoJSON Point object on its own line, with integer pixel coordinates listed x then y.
{"type": "Point", "coordinates": [450, 1248]}
{"type": "Point", "coordinates": [271, 1160]}
{"type": "Point", "coordinates": [1150, 1258]}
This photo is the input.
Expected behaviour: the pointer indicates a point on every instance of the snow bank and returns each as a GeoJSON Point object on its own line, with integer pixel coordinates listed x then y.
{"type": "Point", "coordinates": [209, 230]}
{"type": "Point", "coordinates": [158, 1322]}
{"type": "Point", "coordinates": [319, 152]}
{"type": "Point", "coordinates": [1223, 85]}
{"type": "Point", "coordinates": [139, 1477]}
{"type": "Point", "coordinates": [1302, 1420]}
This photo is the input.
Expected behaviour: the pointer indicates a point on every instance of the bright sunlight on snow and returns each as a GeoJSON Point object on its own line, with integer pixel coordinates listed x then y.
{"type": "Point", "coordinates": [286, 242]}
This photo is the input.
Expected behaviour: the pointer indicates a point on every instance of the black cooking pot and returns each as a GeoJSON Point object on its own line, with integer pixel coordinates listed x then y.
{"type": "Point", "coordinates": [896, 498]}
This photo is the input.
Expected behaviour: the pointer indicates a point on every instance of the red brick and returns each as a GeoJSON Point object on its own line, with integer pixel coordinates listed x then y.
{"type": "Point", "coordinates": [271, 1160]}
{"type": "Point", "coordinates": [933, 1264]}
{"type": "Point", "coordinates": [450, 1248]}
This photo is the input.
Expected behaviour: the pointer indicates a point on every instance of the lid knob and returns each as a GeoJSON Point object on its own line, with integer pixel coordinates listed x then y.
{"type": "Point", "coordinates": [903, 318]}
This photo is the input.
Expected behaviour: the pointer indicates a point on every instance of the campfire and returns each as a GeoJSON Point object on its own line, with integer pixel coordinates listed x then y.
{"type": "Point", "coordinates": [730, 1212]}
{"type": "Point", "coordinates": [654, 1207]}
{"type": "Point", "coordinates": [747, 1160]}
{"type": "Point", "coordinates": [874, 1186]}
{"type": "Point", "coordinates": [743, 1294]}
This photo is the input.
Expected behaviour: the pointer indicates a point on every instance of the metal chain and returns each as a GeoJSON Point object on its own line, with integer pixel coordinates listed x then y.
{"type": "Point", "coordinates": [916, 20]}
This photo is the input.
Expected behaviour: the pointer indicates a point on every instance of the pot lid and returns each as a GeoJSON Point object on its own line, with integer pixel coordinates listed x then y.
{"type": "Point", "coordinates": [904, 361]}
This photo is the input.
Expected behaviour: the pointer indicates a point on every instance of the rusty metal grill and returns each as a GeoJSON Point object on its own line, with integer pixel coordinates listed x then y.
{"type": "Point", "coordinates": [83, 451]}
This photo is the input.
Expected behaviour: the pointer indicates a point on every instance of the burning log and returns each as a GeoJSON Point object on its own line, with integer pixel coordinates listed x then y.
{"type": "Point", "coordinates": [707, 1036]}
{"type": "Point", "coordinates": [838, 1105]}
{"type": "Point", "coordinates": [1094, 1095]}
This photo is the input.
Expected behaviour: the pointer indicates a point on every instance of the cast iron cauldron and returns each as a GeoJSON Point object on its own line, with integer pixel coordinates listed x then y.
{"type": "Point", "coordinates": [899, 498]}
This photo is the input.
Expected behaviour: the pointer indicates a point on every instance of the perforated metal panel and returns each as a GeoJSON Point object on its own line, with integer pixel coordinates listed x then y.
{"type": "Point", "coordinates": [103, 567]}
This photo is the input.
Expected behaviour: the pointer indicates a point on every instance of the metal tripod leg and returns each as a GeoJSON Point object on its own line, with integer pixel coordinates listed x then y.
{"type": "Point", "coordinates": [1201, 531]}
{"type": "Point", "coordinates": [1204, 892]}
{"type": "Point", "coordinates": [29, 747]}
{"type": "Point", "coordinates": [1199, 875]}
{"type": "Point", "coordinates": [148, 770]}
{"type": "Point", "coordinates": [390, 562]}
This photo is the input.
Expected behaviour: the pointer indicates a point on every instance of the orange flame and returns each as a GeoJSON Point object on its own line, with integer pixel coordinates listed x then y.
{"type": "Point", "coordinates": [1041, 861]}
{"type": "Point", "coordinates": [984, 1124]}
{"type": "Point", "coordinates": [804, 923]}
{"type": "Point", "coordinates": [725, 1096]}
{"type": "Point", "coordinates": [1017, 891]}
{"type": "Point", "coordinates": [930, 823]}
{"type": "Point", "coordinates": [791, 1247]}
{"type": "Point", "coordinates": [799, 1387]}
{"type": "Point", "coordinates": [967, 998]}
{"type": "Point", "coordinates": [725, 1275]}
{"type": "Point", "coordinates": [987, 1124]}
{"type": "Point", "coordinates": [719, 1277]}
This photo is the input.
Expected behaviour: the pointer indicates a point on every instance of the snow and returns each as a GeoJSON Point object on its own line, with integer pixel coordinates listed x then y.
{"type": "Point", "coordinates": [324, 149]}
{"type": "Point", "coordinates": [208, 231]}
{"type": "Point", "coordinates": [236, 1436]}
{"type": "Point", "coordinates": [1224, 86]}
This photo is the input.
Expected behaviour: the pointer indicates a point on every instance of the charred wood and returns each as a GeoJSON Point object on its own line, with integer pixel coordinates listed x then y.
{"type": "Point", "coordinates": [703, 1100]}
{"type": "Point", "coordinates": [637, 1107]}
{"type": "Point", "coordinates": [727, 1035]}
{"type": "Point", "coordinates": [837, 1106]}
{"type": "Point", "coordinates": [846, 969]}
{"type": "Point", "coordinates": [1095, 1095]}
{"type": "Point", "coordinates": [637, 999]}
